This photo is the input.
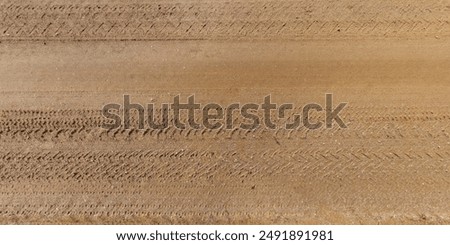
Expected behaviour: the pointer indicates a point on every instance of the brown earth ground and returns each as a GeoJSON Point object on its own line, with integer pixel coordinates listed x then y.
{"type": "Point", "coordinates": [61, 61]}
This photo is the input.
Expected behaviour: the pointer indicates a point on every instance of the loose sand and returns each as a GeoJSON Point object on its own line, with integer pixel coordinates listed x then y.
{"type": "Point", "coordinates": [61, 61]}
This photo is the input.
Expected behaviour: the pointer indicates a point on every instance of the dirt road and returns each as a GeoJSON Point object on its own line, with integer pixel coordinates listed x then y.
{"type": "Point", "coordinates": [61, 61]}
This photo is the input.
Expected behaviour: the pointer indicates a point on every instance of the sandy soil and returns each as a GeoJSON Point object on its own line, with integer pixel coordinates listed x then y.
{"type": "Point", "coordinates": [61, 61]}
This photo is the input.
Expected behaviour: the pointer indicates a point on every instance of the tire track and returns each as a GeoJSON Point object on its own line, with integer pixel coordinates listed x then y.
{"type": "Point", "coordinates": [169, 165]}
{"type": "Point", "coordinates": [363, 123]}
{"type": "Point", "coordinates": [222, 20]}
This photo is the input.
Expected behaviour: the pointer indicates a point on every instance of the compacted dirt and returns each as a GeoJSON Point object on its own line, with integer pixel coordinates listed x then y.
{"type": "Point", "coordinates": [61, 61]}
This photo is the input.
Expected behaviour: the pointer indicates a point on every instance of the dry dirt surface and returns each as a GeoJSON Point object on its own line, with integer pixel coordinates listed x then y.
{"type": "Point", "coordinates": [61, 61]}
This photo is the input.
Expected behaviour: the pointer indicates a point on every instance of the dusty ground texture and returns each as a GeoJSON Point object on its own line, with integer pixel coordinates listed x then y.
{"type": "Point", "coordinates": [61, 60]}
